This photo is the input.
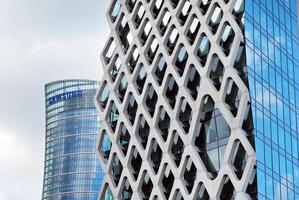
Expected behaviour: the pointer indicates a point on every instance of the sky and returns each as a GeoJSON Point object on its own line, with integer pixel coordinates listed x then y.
{"type": "Point", "coordinates": [40, 41]}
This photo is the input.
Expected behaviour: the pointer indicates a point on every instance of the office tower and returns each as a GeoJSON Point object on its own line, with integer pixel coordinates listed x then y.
{"type": "Point", "coordinates": [72, 171]}
{"type": "Point", "coordinates": [199, 100]}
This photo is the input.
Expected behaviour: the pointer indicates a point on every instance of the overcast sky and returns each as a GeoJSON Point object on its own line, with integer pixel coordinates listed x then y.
{"type": "Point", "coordinates": [40, 41]}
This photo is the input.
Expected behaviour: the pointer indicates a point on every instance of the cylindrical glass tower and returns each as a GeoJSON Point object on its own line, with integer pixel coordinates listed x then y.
{"type": "Point", "coordinates": [72, 171]}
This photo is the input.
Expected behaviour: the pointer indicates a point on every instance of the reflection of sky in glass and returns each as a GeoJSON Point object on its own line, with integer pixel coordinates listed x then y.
{"type": "Point", "coordinates": [273, 71]}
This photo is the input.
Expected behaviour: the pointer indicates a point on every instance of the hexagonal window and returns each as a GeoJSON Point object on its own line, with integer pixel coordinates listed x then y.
{"type": "Point", "coordinates": [193, 83]}
{"type": "Point", "coordinates": [151, 100]}
{"type": "Point", "coordinates": [143, 131]}
{"type": "Point", "coordinates": [122, 87]}
{"type": "Point", "coordinates": [185, 12]}
{"type": "Point", "coordinates": [136, 162]}
{"type": "Point", "coordinates": [181, 59]}
{"type": "Point", "coordinates": [203, 50]}
{"type": "Point", "coordinates": [115, 10]}
{"type": "Point", "coordinates": [145, 31]}
{"type": "Point", "coordinates": [103, 96]}
{"type": "Point", "coordinates": [147, 186]}
{"type": "Point", "coordinates": [171, 91]}
{"type": "Point", "coordinates": [160, 69]}
{"type": "Point", "coordinates": [239, 9]}
{"type": "Point", "coordinates": [212, 138]}
{"type": "Point", "coordinates": [156, 7]}
{"type": "Point", "coordinates": [204, 6]}
{"type": "Point", "coordinates": [112, 116]}
{"type": "Point", "coordinates": [130, 5]}
{"type": "Point", "coordinates": [132, 108]}
{"type": "Point", "coordinates": [177, 148]}
{"type": "Point", "coordinates": [123, 138]}
{"type": "Point", "coordinates": [239, 158]}
{"type": "Point", "coordinates": [155, 155]}
{"type": "Point", "coordinates": [116, 169]}
{"type": "Point", "coordinates": [232, 96]}
{"type": "Point", "coordinates": [201, 192]}
{"type": "Point", "coordinates": [215, 18]}
{"type": "Point", "coordinates": [153, 48]}
{"type": "Point", "coordinates": [185, 115]}
{"type": "Point", "coordinates": [126, 192]}
{"type": "Point", "coordinates": [240, 62]}
{"type": "Point", "coordinates": [105, 145]}
{"type": "Point", "coordinates": [140, 14]}
{"type": "Point", "coordinates": [189, 174]}
{"type": "Point", "coordinates": [124, 34]}
{"type": "Point", "coordinates": [167, 181]}
{"type": "Point", "coordinates": [228, 190]}
{"type": "Point", "coordinates": [193, 29]}
{"type": "Point", "coordinates": [227, 38]}
{"type": "Point", "coordinates": [133, 59]}
{"type": "Point", "coordinates": [163, 123]}
{"type": "Point", "coordinates": [165, 19]}
{"type": "Point", "coordinates": [114, 69]}
{"type": "Point", "coordinates": [217, 71]}
{"type": "Point", "coordinates": [140, 79]}
{"type": "Point", "coordinates": [173, 37]}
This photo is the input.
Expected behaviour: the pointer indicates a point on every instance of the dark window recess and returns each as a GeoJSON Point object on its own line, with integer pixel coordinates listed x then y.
{"type": "Point", "coordinates": [151, 100]}
{"type": "Point", "coordinates": [193, 30]}
{"type": "Point", "coordinates": [217, 72]}
{"type": "Point", "coordinates": [204, 6]}
{"type": "Point", "coordinates": [132, 108]}
{"type": "Point", "coordinates": [146, 187]}
{"type": "Point", "coordinates": [193, 83]}
{"type": "Point", "coordinates": [185, 115]}
{"type": "Point", "coordinates": [227, 39]}
{"type": "Point", "coordinates": [160, 69]}
{"type": "Point", "coordinates": [189, 174]}
{"type": "Point", "coordinates": [181, 60]}
{"type": "Point", "coordinates": [185, 12]}
{"type": "Point", "coordinates": [157, 8]}
{"type": "Point", "coordinates": [127, 191]}
{"type": "Point", "coordinates": [215, 18]}
{"type": "Point", "coordinates": [177, 148]}
{"type": "Point", "coordinates": [136, 163]}
{"type": "Point", "coordinates": [122, 88]}
{"type": "Point", "coordinates": [233, 96]}
{"type": "Point", "coordinates": [164, 22]}
{"type": "Point", "coordinates": [203, 50]}
{"type": "Point", "coordinates": [112, 117]}
{"type": "Point", "coordinates": [117, 169]}
{"type": "Point", "coordinates": [167, 181]}
{"type": "Point", "coordinates": [140, 80]}
{"type": "Point", "coordinates": [164, 123]}
{"type": "Point", "coordinates": [228, 190]}
{"type": "Point", "coordinates": [124, 139]}
{"type": "Point", "coordinates": [143, 132]}
{"type": "Point", "coordinates": [172, 91]}
{"type": "Point", "coordinates": [156, 156]}
{"type": "Point", "coordinates": [172, 40]}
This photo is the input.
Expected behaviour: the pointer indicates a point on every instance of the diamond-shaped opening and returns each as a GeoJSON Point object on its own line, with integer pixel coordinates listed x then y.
{"type": "Point", "coordinates": [228, 190]}
{"type": "Point", "coordinates": [232, 96]}
{"type": "Point", "coordinates": [203, 50]}
{"type": "Point", "coordinates": [204, 6]}
{"type": "Point", "coordinates": [139, 16]}
{"type": "Point", "coordinates": [156, 7]}
{"type": "Point", "coordinates": [130, 5]}
{"type": "Point", "coordinates": [133, 59]}
{"type": "Point", "coordinates": [107, 193]}
{"type": "Point", "coordinates": [155, 155]}
{"type": "Point", "coordinates": [126, 191]}
{"type": "Point", "coordinates": [212, 138]}
{"type": "Point", "coordinates": [239, 9]}
{"type": "Point", "coordinates": [189, 174]}
{"type": "Point", "coordinates": [132, 108]}
{"type": "Point", "coordinates": [136, 162]}
{"type": "Point", "coordinates": [145, 31]}
{"type": "Point", "coordinates": [178, 195]}
{"type": "Point", "coordinates": [163, 123]}
{"type": "Point", "coordinates": [114, 68]}
{"type": "Point", "coordinates": [240, 62]}
{"type": "Point", "coordinates": [171, 91]}
{"type": "Point", "coordinates": [174, 3]}
{"type": "Point", "coordinates": [151, 99]}
{"type": "Point", "coordinates": [153, 48]}
{"type": "Point", "coordinates": [167, 181]}
{"type": "Point", "coordinates": [173, 37]}
{"type": "Point", "coordinates": [185, 12]}
{"type": "Point", "coordinates": [185, 115]}
{"type": "Point", "coordinates": [160, 70]}
{"type": "Point", "coordinates": [181, 59]}
{"type": "Point", "coordinates": [147, 186]}
{"type": "Point", "coordinates": [109, 51]}
{"type": "Point", "coordinates": [217, 71]}
{"type": "Point", "coordinates": [252, 187]}
{"type": "Point", "coordinates": [164, 21]}
{"type": "Point", "coordinates": [140, 79]}
{"type": "Point", "coordinates": [124, 138]}
{"type": "Point", "coordinates": [143, 131]}
{"type": "Point", "coordinates": [177, 148]}
{"type": "Point", "coordinates": [216, 17]}
{"type": "Point", "coordinates": [239, 158]}
{"type": "Point", "coordinates": [105, 146]}
{"type": "Point", "coordinates": [104, 95]}
{"type": "Point", "coordinates": [193, 83]}
{"type": "Point", "coordinates": [115, 10]}
{"type": "Point", "coordinates": [112, 116]}
{"type": "Point", "coordinates": [122, 87]}
{"type": "Point", "coordinates": [248, 123]}
{"type": "Point", "coordinates": [116, 169]}
{"type": "Point", "coordinates": [124, 33]}
{"type": "Point", "coordinates": [227, 38]}
{"type": "Point", "coordinates": [193, 29]}
{"type": "Point", "coordinates": [201, 192]}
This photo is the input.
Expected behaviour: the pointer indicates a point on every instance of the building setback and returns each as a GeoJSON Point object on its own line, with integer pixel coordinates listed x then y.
{"type": "Point", "coordinates": [72, 171]}
{"type": "Point", "coordinates": [199, 100]}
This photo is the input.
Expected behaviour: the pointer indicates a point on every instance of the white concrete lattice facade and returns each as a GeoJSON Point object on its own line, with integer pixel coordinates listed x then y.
{"type": "Point", "coordinates": [164, 64]}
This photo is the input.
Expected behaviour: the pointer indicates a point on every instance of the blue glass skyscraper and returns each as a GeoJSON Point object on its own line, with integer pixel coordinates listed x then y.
{"type": "Point", "coordinates": [72, 171]}
{"type": "Point", "coordinates": [271, 31]}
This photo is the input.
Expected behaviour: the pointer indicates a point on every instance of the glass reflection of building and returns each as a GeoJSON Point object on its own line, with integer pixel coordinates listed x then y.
{"type": "Point", "coordinates": [72, 171]}
{"type": "Point", "coordinates": [271, 31]}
